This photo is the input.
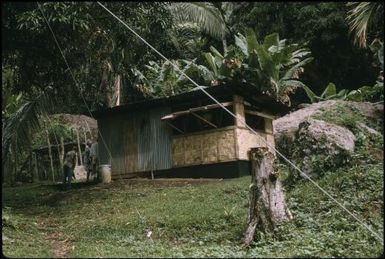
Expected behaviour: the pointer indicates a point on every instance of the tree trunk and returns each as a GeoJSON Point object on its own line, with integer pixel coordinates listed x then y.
{"type": "Point", "coordinates": [50, 157]}
{"type": "Point", "coordinates": [267, 201]}
{"type": "Point", "coordinates": [116, 90]}
{"type": "Point", "coordinates": [224, 43]}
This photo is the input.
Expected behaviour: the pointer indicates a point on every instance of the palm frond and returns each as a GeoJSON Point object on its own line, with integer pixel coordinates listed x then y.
{"type": "Point", "coordinates": [19, 126]}
{"type": "Point", "coordinates": [293, 70]}
{"type": "Point", "coordinates": [204, 14]}
{"type": "Point", "coordinates": [358, 19]}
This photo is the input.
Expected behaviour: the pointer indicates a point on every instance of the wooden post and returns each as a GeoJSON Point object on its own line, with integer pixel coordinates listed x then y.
{"type": "Point", "coordinates": [239, 111]}
{"type": "Point", "coordinates": [267, 201]}
{"type": "Point", "coordinates": [61, 156]}
{"type": "Point", "coordinates": [85, 136]}
{"type": "Point", "coordinates": [117, 90]}
{"type": "Point", "coordinates": [50, 157]}
{"type": "Point", "coordinates": [35, 176]}
{"type": "Point", "coordinates": [80, 150]}
{"type": "Point", "coordinates": [89, 130]}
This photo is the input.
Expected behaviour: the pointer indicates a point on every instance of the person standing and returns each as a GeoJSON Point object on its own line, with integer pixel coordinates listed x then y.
{"type": "Point", "coordinates": [68, 167]}
{"type": "Point", "coordinates": [87, 159]}
{"type": "Point", "coordinates": [94, 159]}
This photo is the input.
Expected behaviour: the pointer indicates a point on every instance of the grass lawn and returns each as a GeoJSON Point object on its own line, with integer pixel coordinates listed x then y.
{"type": "Point", "coordinates": [191, 219]}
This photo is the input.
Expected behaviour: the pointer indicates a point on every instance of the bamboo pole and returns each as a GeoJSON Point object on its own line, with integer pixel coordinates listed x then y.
{"type": "Point", "coordinates": [80, 150]}
{"type": "Point", "coordinates": [85, 136]}
{"type": "Point", "coordinates": [89, 130]}
{"type": "Point", "coordinates": [50, 156]}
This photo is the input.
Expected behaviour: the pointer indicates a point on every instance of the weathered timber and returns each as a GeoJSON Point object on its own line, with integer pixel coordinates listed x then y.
{"type": "Point", "coordinates": [50, 157]}
{"type": "Point", "coordinates": [267, 202]}
{"type": "Point", "coordinates": [79, 149]}
{"type": "Point", "coordinates": [35, 174]}
{"type": "Point", "coordinates": [61, 155]}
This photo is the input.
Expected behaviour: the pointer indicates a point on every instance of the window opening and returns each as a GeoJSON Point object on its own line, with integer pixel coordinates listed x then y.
{"type": "Point", "coordinates": [199, 119]}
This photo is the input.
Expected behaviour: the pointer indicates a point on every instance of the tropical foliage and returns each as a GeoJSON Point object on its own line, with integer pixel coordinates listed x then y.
{"type": "Point", "coordinates": [359, 18]}
{"type": "Point", "coordinates": [273, 66]}
{"type": "Point", "coordinates": [364, 93]}
{"type": "Point", "coordinates": [199, 38]}
{"type": "Point", "coordinates": [163, 80]}
{"type": "Point", "coordinates": [324, 27]}
{"type": "Point", "coordinates": [211, 18]}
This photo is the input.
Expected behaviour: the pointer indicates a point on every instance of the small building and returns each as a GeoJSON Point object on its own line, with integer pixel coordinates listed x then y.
{"type": "Point", "coordinates": [187, 135]}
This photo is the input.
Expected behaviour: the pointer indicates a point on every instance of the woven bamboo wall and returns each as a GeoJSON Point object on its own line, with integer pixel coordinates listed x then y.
{"type": "Point", "coordinates": [247, 140]}
{"type": "Point", "coordinates": [204, 148]}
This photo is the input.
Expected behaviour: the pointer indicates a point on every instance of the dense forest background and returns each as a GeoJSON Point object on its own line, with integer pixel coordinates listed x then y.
{"type": "Point", "coordinates": [99, 49]}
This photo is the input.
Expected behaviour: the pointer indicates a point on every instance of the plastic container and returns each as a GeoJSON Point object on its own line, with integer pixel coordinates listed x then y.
{"type": "Point", "coordinates": [105, 173]}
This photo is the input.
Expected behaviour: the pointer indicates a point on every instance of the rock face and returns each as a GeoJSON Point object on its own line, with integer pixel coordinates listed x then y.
{"type": "Point", "coordinates": [288, 125]}
{"type": "Point", "coordinates": [316, 145]}
{"type": "Point", "coordinates": [321, 145]}
{"type": "Point", "coordinates": [326, 133]}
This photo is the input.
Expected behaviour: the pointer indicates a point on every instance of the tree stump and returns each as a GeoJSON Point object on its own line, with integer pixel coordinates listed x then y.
{"type": "Point", "coordinates": [267, 202]}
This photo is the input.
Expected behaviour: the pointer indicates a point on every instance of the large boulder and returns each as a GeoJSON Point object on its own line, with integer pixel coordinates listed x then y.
{"type": "Point", "coordinates": [287, 126]}
{"type": "Point", "coordinates": [319, 145]}
{"type": "Point", "coordinates": [324, 135]}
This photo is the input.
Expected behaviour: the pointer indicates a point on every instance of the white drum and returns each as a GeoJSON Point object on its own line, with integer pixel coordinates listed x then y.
{"type": "Point", "coordinates": [105, 173]}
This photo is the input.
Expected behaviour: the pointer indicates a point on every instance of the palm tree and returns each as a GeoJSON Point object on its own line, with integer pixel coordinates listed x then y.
{"type": "Point", "coordinates": [212, 20]}
{"type": "Point", "coordinates": [359, 16]}
{"type": "Point", "coordinates": [19, 126]}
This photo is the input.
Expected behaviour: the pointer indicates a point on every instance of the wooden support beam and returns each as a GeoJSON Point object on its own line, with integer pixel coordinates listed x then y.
{"type": "Point", "coordinates": [196, 109]}
{"type": "Point", "coordinates": [239, 111]}
{"type": "Point", "coordinates": [174, 127]}
{"type": "Point", "coordinates": [200, 117]}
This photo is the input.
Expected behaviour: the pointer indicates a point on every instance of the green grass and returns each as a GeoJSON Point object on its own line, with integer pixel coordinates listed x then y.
{"type": "Point", "coordinates": [195, 220]}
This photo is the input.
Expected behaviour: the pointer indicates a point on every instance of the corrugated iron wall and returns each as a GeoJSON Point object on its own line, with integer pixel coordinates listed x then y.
{"type": "Point", "coordinates": [154, 141]}
{"type": "Point", "coordinates": [138, 141]}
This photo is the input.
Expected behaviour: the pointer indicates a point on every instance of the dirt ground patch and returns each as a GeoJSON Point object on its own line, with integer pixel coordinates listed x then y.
{"type": "Point", "coordinates": [164, 182]}
{"type": "Point", "coordinates": [61, 243]}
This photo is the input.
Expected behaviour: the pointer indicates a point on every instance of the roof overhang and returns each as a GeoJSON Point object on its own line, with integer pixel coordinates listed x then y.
{"type": "Point", "coordinates": [249, 93]}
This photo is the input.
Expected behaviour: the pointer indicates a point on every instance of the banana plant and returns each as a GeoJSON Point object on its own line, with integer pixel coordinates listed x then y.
{"type": "Point", "coordinates": [272, 66]}
{"type": "Point", "coordinates": [165, 80]}
{"type": "Point", "coordinates": [329, 93]}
